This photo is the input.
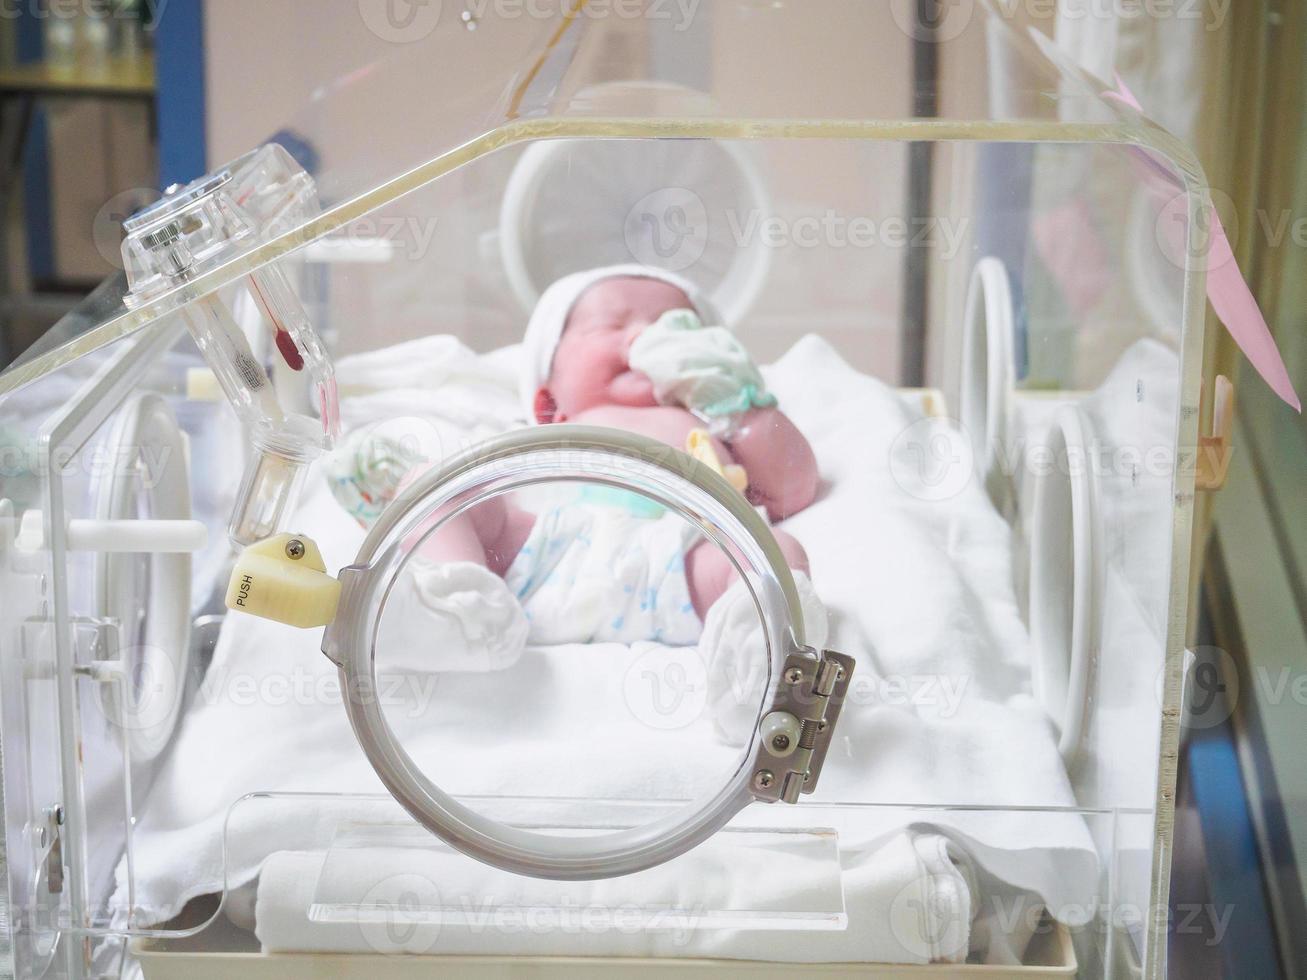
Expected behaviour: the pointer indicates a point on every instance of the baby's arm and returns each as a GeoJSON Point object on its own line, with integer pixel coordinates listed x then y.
{"type": "Point", "coordinates": [666, 423]}
{"type": "Point", "coordinates": [781, 466]}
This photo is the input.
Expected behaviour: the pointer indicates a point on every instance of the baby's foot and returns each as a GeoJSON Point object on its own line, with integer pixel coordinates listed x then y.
{"type": "Point", "coordinates": [733, 647]}
{"type": "Point", "coordinates": [450, 616]}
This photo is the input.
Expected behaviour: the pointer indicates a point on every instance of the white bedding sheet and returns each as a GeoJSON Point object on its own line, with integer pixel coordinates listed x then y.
{"type": "Point", "coordinates": [919, 591]}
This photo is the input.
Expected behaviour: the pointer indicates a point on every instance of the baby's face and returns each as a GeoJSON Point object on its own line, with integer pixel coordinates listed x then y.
{"type": "Point", "coordinates": [591, 366]}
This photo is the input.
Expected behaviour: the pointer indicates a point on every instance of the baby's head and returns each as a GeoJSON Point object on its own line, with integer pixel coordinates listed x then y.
{"type": "Point", "coordinates": [578, 341]}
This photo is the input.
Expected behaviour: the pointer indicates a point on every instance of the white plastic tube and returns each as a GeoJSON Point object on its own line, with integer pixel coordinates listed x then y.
{"type": "Point", "coordinates": [143, 536]}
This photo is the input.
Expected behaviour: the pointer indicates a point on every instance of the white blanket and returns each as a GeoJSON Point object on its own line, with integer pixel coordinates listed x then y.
{"type": "Point", "coordinates": [920, 591]}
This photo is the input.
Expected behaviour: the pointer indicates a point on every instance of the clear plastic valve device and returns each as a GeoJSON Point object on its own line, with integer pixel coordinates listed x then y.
{"type": "Point", "coordinates": [196, 228]}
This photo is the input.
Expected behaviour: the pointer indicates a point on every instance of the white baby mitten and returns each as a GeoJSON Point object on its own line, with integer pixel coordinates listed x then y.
{"type": "Point", "coordinates": [449, 616]}
{"type": "Point", "coordinates": [733, 648]}
{"type": "Point", "coordinates": [368, 467]}
{"type": "Point", "coordinates": [703, 368]}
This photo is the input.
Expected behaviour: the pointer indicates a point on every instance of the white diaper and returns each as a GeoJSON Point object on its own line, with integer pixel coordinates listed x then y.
{"type": "Point", "coordinates": [587, 572]}
{"type": "Point", "coordinates": [592, 572]}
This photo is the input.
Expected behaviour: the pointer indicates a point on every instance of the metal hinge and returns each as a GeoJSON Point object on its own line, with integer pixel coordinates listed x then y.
{"type": "Point", "coordinates": [797, 729]}
{"type": "Point", "coordinates": [51, 840]}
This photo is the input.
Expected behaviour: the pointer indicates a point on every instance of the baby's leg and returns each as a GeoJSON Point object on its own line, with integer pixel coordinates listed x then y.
{"type": "Point", "coordinates": [490, 534]}
{"type": "Point", "coordinates": [709, 572]}
{"type": "Point", "coordinates": [456, 540]}
{"type": "Point", "coordinates": [503, 528]}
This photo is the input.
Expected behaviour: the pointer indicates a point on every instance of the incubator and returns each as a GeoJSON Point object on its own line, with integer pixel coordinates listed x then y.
{"type": "Point", "coordinates": [332, 632]}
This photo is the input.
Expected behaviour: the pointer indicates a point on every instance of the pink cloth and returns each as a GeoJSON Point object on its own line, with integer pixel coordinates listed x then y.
{"type": "Point", "coordinates": [1229, 295]}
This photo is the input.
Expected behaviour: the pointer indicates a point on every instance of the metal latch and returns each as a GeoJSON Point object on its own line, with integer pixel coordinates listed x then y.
{"type": "Point", "coordinates": [797, 730]}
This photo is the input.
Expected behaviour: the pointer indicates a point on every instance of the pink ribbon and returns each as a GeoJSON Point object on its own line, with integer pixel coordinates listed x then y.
{"type": "Point", "coordinates": [1226, 290]}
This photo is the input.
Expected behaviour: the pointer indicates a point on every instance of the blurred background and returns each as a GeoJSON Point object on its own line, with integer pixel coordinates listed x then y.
{"type": "Point", "coordinates": [105, 102]}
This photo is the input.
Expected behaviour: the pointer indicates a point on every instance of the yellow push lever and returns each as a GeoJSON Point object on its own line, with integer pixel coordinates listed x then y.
{"type": "Point", "coordinates": [284, 578]}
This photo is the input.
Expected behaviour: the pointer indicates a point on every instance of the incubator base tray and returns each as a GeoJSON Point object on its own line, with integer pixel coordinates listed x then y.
{"type": "Point", "coordinates": [1051, 954]}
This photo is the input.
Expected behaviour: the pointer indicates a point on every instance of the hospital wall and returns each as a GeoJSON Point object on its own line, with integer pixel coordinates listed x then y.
{"type": "Point", "coordinates": [266, 73]}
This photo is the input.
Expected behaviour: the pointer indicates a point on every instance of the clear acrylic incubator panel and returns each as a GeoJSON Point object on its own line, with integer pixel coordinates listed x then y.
{"type": "Point", "coordinates": [910, 377]}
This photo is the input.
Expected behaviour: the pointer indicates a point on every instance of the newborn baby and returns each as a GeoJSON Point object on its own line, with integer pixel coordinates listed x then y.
{"type": "Point", "coordinates": [610, 566]}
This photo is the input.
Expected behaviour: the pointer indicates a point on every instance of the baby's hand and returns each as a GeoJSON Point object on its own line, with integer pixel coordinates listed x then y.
{"type": "Point", "coordinates": [781, 465]}
{"type": "Point", "coordinates": [370, 467]}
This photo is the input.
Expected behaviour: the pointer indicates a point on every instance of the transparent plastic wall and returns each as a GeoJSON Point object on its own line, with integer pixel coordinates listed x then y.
{"type": "Point", "coordinates": [104, 644]}
{"type": "Point", "coordinates": [980, 309]}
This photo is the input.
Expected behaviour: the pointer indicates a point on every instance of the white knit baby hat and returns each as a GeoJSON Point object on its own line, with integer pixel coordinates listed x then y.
{"type": "Point", "coordinates": [545, 328]}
